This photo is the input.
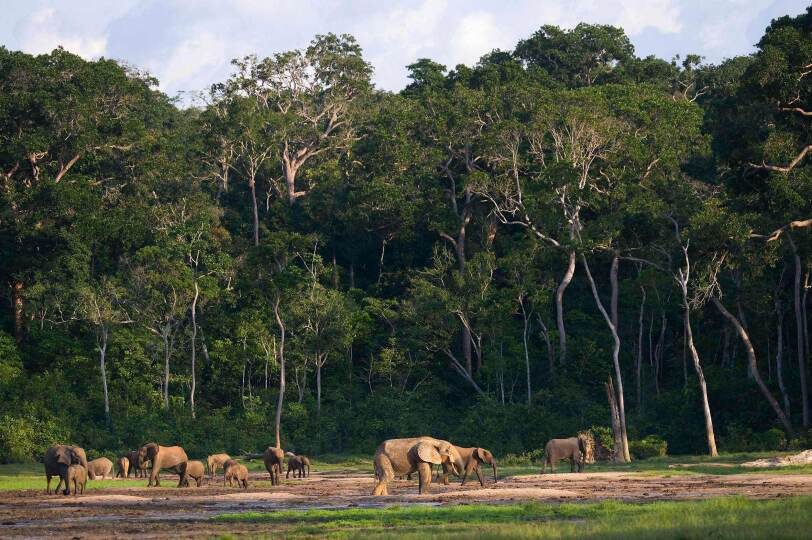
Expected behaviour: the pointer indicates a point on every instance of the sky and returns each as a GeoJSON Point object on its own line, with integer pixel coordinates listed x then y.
{"type": "Point", "coordinates": [188, 44]}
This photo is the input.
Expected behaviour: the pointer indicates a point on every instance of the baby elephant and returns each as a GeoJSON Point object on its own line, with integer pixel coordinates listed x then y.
{"type": "Point", "coordinates": [193, 470]}
{"type": "Point", "coordinates": [77, 475]}
{"type": "Point", "coordinates": [99, 468]}
{"type": "Point", "coordinates": [557, 449]}
{"type": "Point", "coordinates": [236, 472]}
{"type": "Point", "coordinates": [298, 464]}
{"type": "Point", "coordinates": [123, 467]}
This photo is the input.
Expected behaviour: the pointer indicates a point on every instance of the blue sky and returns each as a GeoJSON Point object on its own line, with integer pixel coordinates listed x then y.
{"type": "Point", "coordinates": [188, 44]}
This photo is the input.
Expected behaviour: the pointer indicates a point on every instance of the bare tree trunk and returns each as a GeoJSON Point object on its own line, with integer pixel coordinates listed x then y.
{"type": "Point", "coordinates": [799, 327]}
{"type": "Point", "coordinates": [751, 357]}
{"type": "Point", "coordinates": [281, 398]}
{"type": "Point", "coordinates": [319, 363]}
{"type": "Point", "coordinates": [526, 319]}
{"type": "Point", "coordinates": [685, 355]}
{"type": "Point", "coordinates": [779, 352]}
{"type": "Point", "coordinates": [103, 334]}
{"type": "Point", "coordinates": [194, 349]}
{"type": "Point", "coordinates": [624, 448]}
{"type": "Point", "coordinates": [380, 262]}
{"type": "Point", "coordinates": [253, 185]}
{"type": "Point", "coordinates": [559, 306]}
{"type": "Point", "coordinates": [703, 387]}
{"type": "Point", "coordinates": [167, 353]}
{"type": "Point", "coordinates": [617, 431]}
{"type": "Point", "coordinates": [545, 334]}
{"type": "Point", "coordinates": [658, 353]}
{"type": "Point", "coordinates": [640, 346]}
{"type": "Point", "coordinates": [17, 306]}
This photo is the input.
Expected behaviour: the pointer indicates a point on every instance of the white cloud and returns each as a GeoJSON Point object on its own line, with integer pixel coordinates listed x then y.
{"type": "Point", "coordinates": [191, 61]}
{"type": "Point", "coordinates": [635, 16]}
{"type": "Point", "coordinates": [476, 35]}
{"type": "Point", "coordinates": [39, 33]}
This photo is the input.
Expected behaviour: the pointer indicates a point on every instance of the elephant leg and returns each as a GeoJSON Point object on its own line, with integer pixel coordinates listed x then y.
{"type": "Point", "coordinates": [465, 474]}
{"type": "Point", "coordinates": [552, 465]}
{"type": "Point", "coordinates": [479, 476]}
{"type": "Point", "coordinates": [48, 485]}
{"type": "Point", "coordinates": [423, 477]}
{"type": "Point", "coordinates": [383, 474]}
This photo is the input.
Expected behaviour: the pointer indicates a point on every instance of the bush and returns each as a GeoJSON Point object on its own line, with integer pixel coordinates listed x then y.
{"type": "Point", "coordinates": [526, 458]}
{"type": "Point", "coordinates": [26, 438]}
{"type": "Point", "coordinates": [651, 446]}
{"type": "Point", "coordinates": [603, 437]}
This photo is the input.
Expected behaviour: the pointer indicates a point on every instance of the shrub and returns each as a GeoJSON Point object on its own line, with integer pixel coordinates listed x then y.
{"type": "Point", "coordinates": [25, 438]}
{"type": "Point", "coordinates": [651, 446]}
{"type": "Point", "coordinates": [526, 458]}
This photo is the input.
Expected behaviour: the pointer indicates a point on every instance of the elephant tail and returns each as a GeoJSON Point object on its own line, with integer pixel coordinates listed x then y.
{"type": "Point", "coordinates": [383, 468]}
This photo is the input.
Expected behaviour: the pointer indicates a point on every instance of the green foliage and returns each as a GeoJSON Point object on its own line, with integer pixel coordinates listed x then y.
{"type": "Point", "coordinates": [26, 438]}
{"type": "Point", "coordinates": [401, 254]}
{"type": "Point", "coordinates": [648, 447]}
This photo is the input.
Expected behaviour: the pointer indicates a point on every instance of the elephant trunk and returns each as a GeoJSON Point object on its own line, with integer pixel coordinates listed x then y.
{"type": "Point", "coordinates": [493, 464]}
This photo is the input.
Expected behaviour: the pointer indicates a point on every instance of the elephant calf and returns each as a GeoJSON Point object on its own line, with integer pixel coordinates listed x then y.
{"type": "Point", "coordinates": [237, 472]}
{"type": "Point", "coordinates": [297, 464]}
{"type": "Point", "coordinates": [557, 449]}
{"type": "Point", "coordinates": [77, 475]}
{"type": "Point", "coordinates": [193, 470]}
{"type": "Point", "coordinates": [99, 468]}
{"type": "Point", "coordinates": [215, 462]}
{"type": "Point", "coordinates": [473, 458]}
{"type": "Point", "coordinates": [123, 467]}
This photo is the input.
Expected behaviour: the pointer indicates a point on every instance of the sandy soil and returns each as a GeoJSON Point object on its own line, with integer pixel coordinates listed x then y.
{"type": "Point", "coordinates": [168, 512]}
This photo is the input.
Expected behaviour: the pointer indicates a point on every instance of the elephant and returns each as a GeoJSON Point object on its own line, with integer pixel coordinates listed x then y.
{"type": "Point", "coordinates": [140, 471]}
{"type": "Point", "coordinates": [171, 458]}
{"type": "Point", "coordinates": [99, 468]}
{"type": "Point", "coordinates": [236, 472]}
{"type": "Point", "coordinates": [123, 467]}
{"type": "Point", "coordinates": [405, 456]}
{"type": "Point", "coordinates": [473, 458]}
{"type": "Point", "coordinates": [273, 459]}
{"type": "Point", "coordinates": [558, 449]}
{"type": "Point", "coordinates": [57, 460]}
{"type": "Point", "coordinates": [215, 462]}
{"type": "Point", "coordinates": [194, 470]}
{"type": "Point", "coordinates": [298, 464]}
{"type": "Point", "coordinates": [77, 475]}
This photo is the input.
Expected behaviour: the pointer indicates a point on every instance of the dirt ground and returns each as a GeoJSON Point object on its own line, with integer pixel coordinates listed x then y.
{"type": "Point", "coordinates": [168, 512]}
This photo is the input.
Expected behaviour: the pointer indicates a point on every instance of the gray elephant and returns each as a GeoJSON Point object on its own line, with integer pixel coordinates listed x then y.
{"type": "Point", "coordinates": [171, 458]}
{"type": "Point", "coordinates": [193, 470]}
{"type": "Point", "coordinates": [123, 467]}
{"type": "Point", "coordinates": [99, 468]}
{"type": "Point", "coordinates": [236, 472]}
{"type": "Point", "coordinates": [557, 449]}
{"type": "Point", "coordinates": [77, 475]}
{"type": "Point", "coordinates": [215, 462]}
{"type": "Point", "coordinates": [57, 460]}
{"type": "Point", "coordinates": [273, 458]}
{"type": "Point", "coordinates": [473, 458]}
{"type": "Point", "coordinates": [418, 454]}
{"type": "Point", "coordinates": [297, 464]}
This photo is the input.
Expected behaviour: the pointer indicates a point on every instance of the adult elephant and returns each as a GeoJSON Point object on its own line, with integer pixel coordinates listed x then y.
{"type": "Point", "coordinates": [171, 458]}
{"type": "Point", "coordinates": [140, 470]}
{"type": "Point", "coordinates": [58, 458]}
{"type": "Point", "coordinates": [405, 456]}
{"type": "Point", "coordinates": [273, 458]}
{"type": "Point", "coordinates": [557, 449]}
{"type": "Point", "coordinates": [473, 458]}
{"type": "Point", "coordinates": [99, 468]}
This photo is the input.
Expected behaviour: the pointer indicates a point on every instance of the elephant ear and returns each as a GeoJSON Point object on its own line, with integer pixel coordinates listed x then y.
{"type": "Point", "coordinates": [152, 451]}
{"type": "Point", "coordinates": [428, 453]}
{"type": "Point", "coordinates": [481, 454]}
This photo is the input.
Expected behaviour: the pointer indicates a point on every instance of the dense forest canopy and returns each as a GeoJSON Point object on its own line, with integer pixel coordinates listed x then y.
{"type": "Point", "coordinates": [560, 237]}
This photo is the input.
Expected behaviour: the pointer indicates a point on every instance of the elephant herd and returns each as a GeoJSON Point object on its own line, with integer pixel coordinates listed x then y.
{"type": "Point", "coordinates": [393, 458]}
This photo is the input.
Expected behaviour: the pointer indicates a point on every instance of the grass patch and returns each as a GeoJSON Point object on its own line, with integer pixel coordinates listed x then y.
{"type": "Point", "coordinates": [727, 517]}
{"type": "Point", "coordinates": [723, 464]}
